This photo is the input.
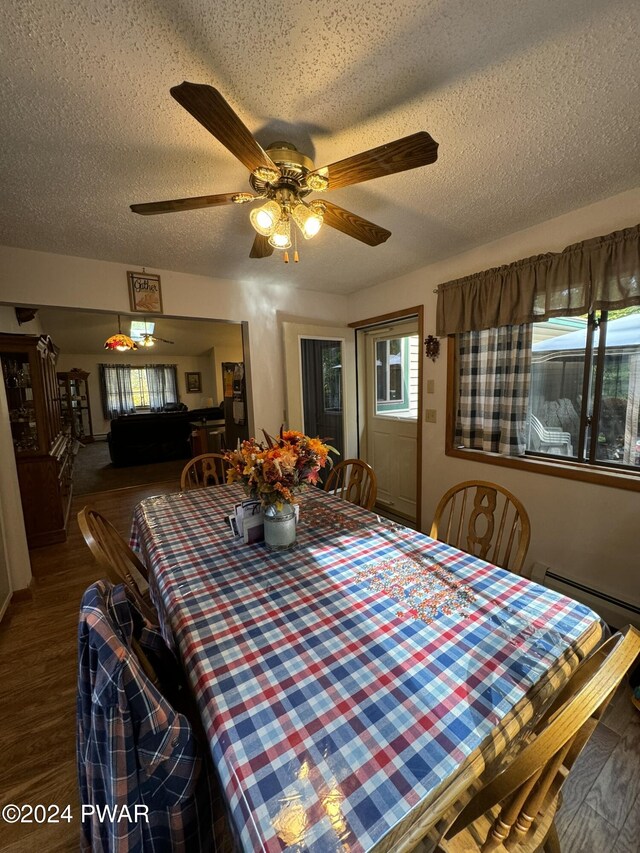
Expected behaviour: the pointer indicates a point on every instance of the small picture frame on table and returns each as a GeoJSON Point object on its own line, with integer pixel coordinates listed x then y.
{"type": "Point", "coordinates": [144, 292]}
{"type": "Point", "coordinates": [193, 381]}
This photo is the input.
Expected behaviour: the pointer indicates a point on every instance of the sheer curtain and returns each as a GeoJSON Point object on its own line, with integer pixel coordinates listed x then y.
{"type": "Point", "coordinates": [159, 384]}
{"type": "Point", "coordinates": [116, 390]}
{"type": "Point", "coordinates": [162, 385]}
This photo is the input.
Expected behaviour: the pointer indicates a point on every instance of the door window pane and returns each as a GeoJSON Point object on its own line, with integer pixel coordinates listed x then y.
{"type": "Point", "coordinates": [397, 376]}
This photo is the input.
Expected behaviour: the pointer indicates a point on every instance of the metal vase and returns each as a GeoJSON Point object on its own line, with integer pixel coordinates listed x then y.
{"type": "Point", "coordinates": [280, 527]}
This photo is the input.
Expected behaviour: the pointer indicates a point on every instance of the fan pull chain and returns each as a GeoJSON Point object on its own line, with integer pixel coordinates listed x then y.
{"type": "Point", "coordinates": [296, 257]}
{"type": "Point", "coordinates": [286, 257]}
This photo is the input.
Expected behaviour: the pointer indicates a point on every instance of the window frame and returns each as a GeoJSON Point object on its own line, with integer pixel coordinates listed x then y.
{"type": "Point", "coordinates": [539, 464]}
{"type": "Point", "coordinates": [397, 403]}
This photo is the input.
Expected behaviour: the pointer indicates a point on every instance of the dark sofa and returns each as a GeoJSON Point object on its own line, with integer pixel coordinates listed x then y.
{"type": "Point", "coordinates": [155, 437]}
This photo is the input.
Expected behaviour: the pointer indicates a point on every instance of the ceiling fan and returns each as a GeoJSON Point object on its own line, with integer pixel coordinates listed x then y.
{"type": "Point", "coordinates": [148, 340]}
{"type": "Point", "coordinates": [143, 331]}
{"type": "Point", "coordinates": [282, 177]}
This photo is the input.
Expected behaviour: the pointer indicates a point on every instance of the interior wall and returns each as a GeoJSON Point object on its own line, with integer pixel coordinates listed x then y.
{"type": "Point", "coordinates": [184, 363]}
{"type": "Point", "coordinates": [43, 278]}
{"type": "Point", "coordinates": [587, 532]}
{"type": "Point", "coordinates": [11, 519]}
{"type": "Point", "coordinates": [32, 278]}
{"type": "Point", "coordinates": [9, 323]}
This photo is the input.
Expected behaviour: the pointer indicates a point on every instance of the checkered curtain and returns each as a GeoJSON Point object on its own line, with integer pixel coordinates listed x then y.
{"type": "Point", "coordinates": [162, 385]}
{"type": "Point", "coordinates": [115, 390]}
{"type": "Point", "coordinates": [493, 389]}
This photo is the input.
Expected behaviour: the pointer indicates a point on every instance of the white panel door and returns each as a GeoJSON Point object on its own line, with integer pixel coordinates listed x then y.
{"type": "Point", "coordinates": [391, 414]}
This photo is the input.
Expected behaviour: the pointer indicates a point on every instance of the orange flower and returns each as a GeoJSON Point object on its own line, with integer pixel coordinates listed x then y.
{"type": "Point", "coordinates": [276, 471]}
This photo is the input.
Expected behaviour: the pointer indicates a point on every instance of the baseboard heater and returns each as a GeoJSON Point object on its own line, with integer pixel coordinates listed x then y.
{"type": "Point", "coordinates": [614, 611]}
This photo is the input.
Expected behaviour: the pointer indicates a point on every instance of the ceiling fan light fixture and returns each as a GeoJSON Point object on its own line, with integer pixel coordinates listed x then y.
{"type": "Point", "coordinates": [267, 174]}
{"type": "Point", "coordinates": [281, 237]}
{"type": "Point", "coordinates": [264, 219]}
{"type": "Point", "coordinates": [317, 183]}
{"type": "Point", "coordinates": [308, 218]}
{"type": "Point", "coordinates": [242, 198]}
{"type": "Point", "coordinates": [147, 341]}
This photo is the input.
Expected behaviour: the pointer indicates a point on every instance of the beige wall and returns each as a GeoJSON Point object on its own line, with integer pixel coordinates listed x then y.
{"type": "Point", "coordinates": [41, 278]}
{"type": "Point", "coordinates": [11, 520]}
{"type": "Point", "coordinates": [585, 531]}
{"type": "Point", "coordinates": [184, 363]}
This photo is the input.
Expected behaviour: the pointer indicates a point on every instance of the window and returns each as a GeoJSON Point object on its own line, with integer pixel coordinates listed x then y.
{"type": "Point", "coordinates": [126, 389]}
{"type": "Point", "coordinates": [139, 388]}
{"type": "Point", "coordinates": [396, 364]}
{"type": "Point", "coordinates": [547, 351]}
{"type": "Point", "coordinates": [584, 397]}
{"type": "Point", "coordinates": [390, 371]}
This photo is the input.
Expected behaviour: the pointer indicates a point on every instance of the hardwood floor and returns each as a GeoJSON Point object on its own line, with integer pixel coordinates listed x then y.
{"type": "Point", "coordinates": [38, 678]}
{"type": "Point", "coordinates": [601, 810]}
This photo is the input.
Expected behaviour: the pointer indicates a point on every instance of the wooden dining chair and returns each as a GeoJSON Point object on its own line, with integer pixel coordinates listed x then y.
{"type": "Point", "coordinates": [208, 469]}
{"type": "Point", "coordinates": [355, 481]}
{"type": "Point", "coordinates": [114, 555]}
{"type": "Point", "coordinates": [485, 520]}
{"type": "Point", "coordinates": [515, 809]}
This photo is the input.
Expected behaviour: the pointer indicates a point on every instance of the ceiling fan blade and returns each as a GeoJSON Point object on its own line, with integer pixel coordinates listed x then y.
{"type": "Point", "coordinates": [419, 149]}
{"type": "Point", "coordinates": [208, 106]}
{"type": "Point", "coordinates": [354, 225]}
{"type": "Point", "coordinates": [175, 205]}
{"type": "Point", "coordinates": [261, 247]}
{"type": "Point", "coordinates": [164, 340]}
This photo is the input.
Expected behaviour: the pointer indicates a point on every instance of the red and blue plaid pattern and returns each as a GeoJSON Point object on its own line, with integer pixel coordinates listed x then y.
{"type": "Point", "coordinates": [133, 748]}
{"type": "Point", "coordinates": [332, 709]}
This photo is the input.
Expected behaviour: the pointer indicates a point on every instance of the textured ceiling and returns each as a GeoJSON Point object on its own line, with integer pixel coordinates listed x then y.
{"type": "Point", "coordinates": [534, 103]}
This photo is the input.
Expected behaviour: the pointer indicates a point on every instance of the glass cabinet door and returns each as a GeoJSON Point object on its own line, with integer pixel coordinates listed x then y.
{"type": "Point", "coordinates": [74, 401]}
{"type": "Point", "coordinates": [16, 372]}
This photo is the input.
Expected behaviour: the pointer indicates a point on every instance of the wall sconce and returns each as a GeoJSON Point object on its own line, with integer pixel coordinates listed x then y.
{"type": "Point", "coordinates": [431, 347]}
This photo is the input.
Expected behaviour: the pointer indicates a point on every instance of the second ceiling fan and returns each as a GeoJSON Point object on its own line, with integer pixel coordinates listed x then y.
{"type": "Point", "coordinates": [282, 177]}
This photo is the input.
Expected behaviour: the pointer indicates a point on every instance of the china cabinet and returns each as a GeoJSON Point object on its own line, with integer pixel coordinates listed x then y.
{"type": "Point", "coordinates": [44, 448]}
{"type": "Point", "coordinates": [75, 404]}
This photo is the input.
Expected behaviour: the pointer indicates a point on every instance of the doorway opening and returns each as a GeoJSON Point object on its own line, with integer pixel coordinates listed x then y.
{"type": "Point", "coordinates": [389, 382]}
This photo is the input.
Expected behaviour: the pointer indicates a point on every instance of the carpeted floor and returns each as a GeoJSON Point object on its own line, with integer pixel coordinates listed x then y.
{"type": "Point", "coordinates": [93, 471]}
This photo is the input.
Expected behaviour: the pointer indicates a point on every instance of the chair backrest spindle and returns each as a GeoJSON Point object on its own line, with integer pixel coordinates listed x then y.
{"type": "Point", "coordinates": [355, 481]}
{"type": "Point", "coordinates": [485, 520]}
{"type": "Point", "coordinates": [207, 469]}
{"type": "Point", "coordinates": [515, 809]}
{"type": "Point", "coordinates": [115, 556]}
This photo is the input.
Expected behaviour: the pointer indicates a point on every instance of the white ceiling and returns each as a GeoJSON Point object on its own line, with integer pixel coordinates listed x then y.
{"type": "Point", "coordinates": [534, 103]}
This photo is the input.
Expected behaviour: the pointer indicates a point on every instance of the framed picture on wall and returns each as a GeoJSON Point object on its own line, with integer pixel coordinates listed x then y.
{"type": "Point", "coordinates": [193, 382]}
{"type": "Point", "coordinates": [144, 292]}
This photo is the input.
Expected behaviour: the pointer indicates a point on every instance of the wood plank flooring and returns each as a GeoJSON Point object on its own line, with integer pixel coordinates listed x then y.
{"type": "Point", "coordinates": [38, 678]}
{"type": "Point", "coordinates": [601, 810]}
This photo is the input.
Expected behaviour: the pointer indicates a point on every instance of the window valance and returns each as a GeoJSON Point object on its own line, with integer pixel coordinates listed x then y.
{"type": "Point", "coordinates": [601, 273]}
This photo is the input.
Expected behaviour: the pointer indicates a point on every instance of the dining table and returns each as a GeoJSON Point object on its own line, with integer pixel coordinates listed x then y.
{"type": "Point", "coordinates": [355, 687]}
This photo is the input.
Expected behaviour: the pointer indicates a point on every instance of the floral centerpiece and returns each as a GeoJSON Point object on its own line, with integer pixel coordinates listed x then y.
{"type": "Point", "coordinates": [274, 470]}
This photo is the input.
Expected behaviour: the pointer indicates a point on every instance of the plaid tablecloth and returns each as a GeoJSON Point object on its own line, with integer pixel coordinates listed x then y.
{"type": "Point", "coordinates": [342, 683]}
